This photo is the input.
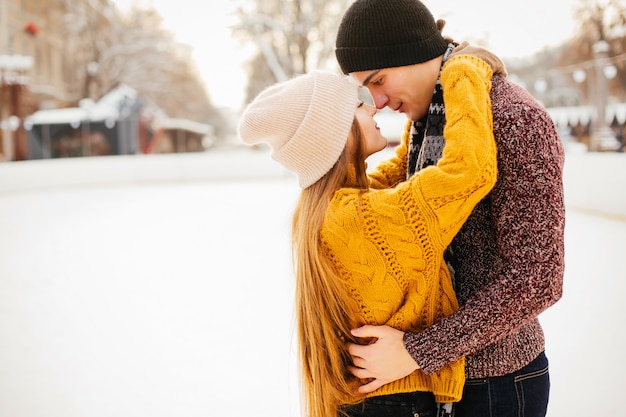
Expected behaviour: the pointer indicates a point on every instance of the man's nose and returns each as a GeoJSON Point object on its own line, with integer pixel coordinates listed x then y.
{"type": "Point", "coordinates": [380, 101]}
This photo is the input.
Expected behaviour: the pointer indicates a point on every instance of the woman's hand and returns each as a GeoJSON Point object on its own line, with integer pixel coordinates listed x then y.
{"type": "Point", "coordinates": [383, 361]}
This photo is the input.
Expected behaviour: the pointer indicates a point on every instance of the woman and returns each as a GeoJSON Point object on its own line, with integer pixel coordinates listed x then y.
{"type": "Point", "coordinates": [370, 251]}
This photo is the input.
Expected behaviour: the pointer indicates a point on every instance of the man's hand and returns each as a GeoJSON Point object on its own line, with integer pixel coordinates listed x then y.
{"type": "Point", "coordinates": [385, 360]}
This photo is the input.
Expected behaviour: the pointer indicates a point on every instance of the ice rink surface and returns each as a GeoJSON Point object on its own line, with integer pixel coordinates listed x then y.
{"type": "Point", "coordinates": [174, 298]}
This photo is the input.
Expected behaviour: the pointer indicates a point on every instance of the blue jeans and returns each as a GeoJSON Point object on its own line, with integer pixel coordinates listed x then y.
{"type": "Point", "coordinates": [521, 394]}
{"type": "Point", "coordinates": [413, 404]}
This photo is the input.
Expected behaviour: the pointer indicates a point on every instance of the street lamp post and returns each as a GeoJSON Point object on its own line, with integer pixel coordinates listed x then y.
{"type": "Point", "coordinates": [600, 50]}
{"type": "Point", "coordinates": [602, 137]}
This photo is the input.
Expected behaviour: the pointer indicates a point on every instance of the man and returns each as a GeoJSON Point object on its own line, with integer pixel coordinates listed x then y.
{"type": "Point", "coordinates": [507, 261]}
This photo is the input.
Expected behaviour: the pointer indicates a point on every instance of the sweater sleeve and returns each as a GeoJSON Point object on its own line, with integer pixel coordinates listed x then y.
{"type": "Point", "coordinates": [527, 214]}
{"type": "Point", "coordinates": [467, 169]}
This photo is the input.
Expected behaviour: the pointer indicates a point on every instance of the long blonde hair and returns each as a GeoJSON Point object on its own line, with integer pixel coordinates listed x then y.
{"type": "Point", "coordinates": [325, 312]}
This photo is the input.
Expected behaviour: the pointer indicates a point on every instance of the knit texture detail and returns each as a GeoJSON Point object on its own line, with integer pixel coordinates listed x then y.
{"type": "Point", "coordinates": [375, 34]}
{"type": "Point", "coordinates": [426, 152]}
{"type": "Point", "coordinates": [305, 134]}
{"type": "Point", "coordinates": [387, 244]}
{"type": "Point", "coordinates": [510, 252]}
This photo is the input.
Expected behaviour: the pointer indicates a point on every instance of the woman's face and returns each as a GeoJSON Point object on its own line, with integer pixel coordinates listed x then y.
{"type": "Point", "coordinates": [373, 140]}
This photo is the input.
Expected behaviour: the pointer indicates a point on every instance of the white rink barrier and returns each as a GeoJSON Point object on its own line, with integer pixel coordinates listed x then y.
{"type": "Point", "coordinates": [594, 182]}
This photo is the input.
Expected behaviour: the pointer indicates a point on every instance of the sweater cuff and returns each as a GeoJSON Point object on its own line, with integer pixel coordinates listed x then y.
{"type": "Point", "coordinates": [412, 344]}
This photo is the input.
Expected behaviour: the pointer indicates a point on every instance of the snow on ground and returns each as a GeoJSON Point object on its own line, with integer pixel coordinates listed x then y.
{"type": "Point", "coordinates": [158, 300]}
{"type": "Point", "coordinates": [586, 337]}
{"type": "Point", "coordinates": [174, 298]}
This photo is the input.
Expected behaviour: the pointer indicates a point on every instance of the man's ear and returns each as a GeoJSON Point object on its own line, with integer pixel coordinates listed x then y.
{"type": "Point", "coordinates": [440, 25]}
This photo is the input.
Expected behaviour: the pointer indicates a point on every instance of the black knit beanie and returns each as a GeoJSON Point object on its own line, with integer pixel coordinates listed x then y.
{"type": "Point", "coordinates": [376, 34]}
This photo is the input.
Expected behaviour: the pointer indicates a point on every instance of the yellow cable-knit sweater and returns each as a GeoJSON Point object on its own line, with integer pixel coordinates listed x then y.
{"type": "Point", "coordinates": [388, 243]}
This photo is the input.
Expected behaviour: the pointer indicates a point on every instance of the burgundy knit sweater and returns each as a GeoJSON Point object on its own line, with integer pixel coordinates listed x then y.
{"type": "Point", "coordinates": [510, 252]}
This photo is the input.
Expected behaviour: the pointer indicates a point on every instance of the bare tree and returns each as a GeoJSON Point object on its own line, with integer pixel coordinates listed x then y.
{"type": "Point", "coordinates": [105, 48]}
{"type": "Point", "coordinates": [292, 37]}
{"type": "Point", "coordinates": [599, 20]}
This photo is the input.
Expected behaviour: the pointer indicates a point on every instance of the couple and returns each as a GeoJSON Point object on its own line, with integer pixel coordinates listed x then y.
{"type": "Point", "coordinates": [418, 284]}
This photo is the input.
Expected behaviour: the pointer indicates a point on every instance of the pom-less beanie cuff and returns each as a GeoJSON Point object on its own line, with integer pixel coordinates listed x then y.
{"type": "Point", "coordinates": [353, 59]}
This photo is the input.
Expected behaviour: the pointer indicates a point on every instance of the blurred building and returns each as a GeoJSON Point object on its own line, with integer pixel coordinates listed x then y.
{"type": "Point", "coordinates": [182, 135]}
{"type": "Point", "coordinates": [43, 112]}
{"type": "Point", "coordinates": [31, 69]}
{"type": "Point", "coordinates": [576, 124]}
{"type": "Point", "coordinates": [120, 123]}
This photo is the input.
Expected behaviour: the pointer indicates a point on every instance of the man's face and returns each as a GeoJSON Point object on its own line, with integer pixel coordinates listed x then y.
{"type": "Point", "coordinates": [407, 89]}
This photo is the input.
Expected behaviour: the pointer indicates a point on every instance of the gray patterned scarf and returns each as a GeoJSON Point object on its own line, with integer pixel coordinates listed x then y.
{"type": "Point", "coordinates": [425, 148]}
{"type": "Point", "coordinates": [426, 144]}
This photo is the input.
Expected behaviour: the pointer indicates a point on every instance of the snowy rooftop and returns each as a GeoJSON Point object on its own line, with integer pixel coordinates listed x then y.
{"type": "Point", "coordinates": [107, 108]}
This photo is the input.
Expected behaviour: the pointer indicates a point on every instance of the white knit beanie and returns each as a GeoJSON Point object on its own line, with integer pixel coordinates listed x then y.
{"type": "Point", "coordinates": [305, 120]}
